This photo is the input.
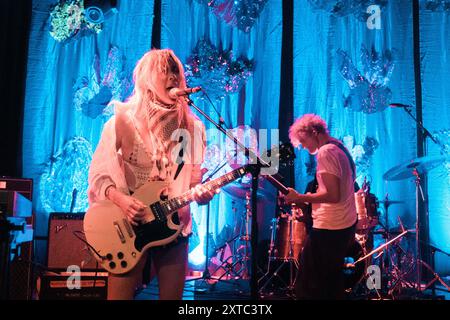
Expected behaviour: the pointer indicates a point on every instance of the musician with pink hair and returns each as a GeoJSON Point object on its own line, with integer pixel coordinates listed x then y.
{"type": "Point", "coordinates": [333, 211]}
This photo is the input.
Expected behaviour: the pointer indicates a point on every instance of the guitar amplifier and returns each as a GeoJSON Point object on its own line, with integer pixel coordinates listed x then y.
{"type": "Point", "coordinates": [23, 186]}
{"type": "Point", "coordinates": [66, 246]}
{"type": "Point", "coordinates": [21, 268]}
{"type": "Point", "coordinates": [89, 286]}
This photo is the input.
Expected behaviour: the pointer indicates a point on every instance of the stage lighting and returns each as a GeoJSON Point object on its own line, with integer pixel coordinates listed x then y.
{"type": "Point", "coordinates": [97, 11]}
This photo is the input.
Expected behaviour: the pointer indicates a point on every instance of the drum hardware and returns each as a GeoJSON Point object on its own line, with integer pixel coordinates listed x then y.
{"type": "Point", "coordinates": [288, 235]}
{"type": "Point", "coordinates": [377, 249]}
{"type": "Point", "coordinates": [414, 169]}
{"type": "Point", "coordinates": [236, 264]}
{"type": "Point", "coordinates": [361, 263]}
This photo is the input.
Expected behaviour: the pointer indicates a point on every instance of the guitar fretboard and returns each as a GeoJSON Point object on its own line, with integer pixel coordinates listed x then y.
{"type": "Point", "coordinates": [186, 198]}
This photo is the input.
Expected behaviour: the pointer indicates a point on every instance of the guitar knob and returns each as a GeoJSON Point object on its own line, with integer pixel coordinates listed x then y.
{"type": "Point", "coordinates": [120, 255]}
{"type": "Point", "coordinates": [112, 265]}
{"type": "Point", "coordinates": [109, 256]}
{"type": "Point", "coordinates": [123, 264]}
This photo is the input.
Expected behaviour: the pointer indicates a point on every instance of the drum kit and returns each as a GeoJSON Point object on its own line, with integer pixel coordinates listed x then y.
{"type": "Point", "coordinates": [289, 233]}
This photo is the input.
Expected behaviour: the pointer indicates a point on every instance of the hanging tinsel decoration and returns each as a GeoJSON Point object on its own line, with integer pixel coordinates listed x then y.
{"type": "Point", "coordinates": [362, 154]}
{"type": "Point", "coordinates": [342, 8]}
{"type": "Point", "coordinates": [93, 95]}
{"type": "Point", "coordinates": [66, 172]}
{"type": "Point", "coordinates": [242, 14]}
{"type": "Point", "coordinates": [216, 71]}
{"type": "Point", "coordinates": [443, 139]}
{"type": "Point", "coordinates": [67, 20]}
{"type": "Point", "coordinates": [435, 5]}
{"type": "Point", "coordinates": [368, 89]}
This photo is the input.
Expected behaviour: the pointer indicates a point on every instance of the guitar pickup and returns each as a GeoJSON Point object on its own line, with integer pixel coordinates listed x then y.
{"type": "Point", "coordinates": [158, 212]}
{"type": "Point", "coordinates": [128, 228]}
{"type": "Point", "coordinates": [119, 232]}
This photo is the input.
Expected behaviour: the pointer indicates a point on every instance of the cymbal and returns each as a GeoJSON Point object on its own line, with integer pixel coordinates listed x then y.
{"type": "Point", "coordinates": [406, 170]}
{"type": "Point", "coordinates": [238, 190]}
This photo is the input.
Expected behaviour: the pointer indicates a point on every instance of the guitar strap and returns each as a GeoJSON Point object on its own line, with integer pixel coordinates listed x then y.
{"type": "Point", "coordinates": [314, 184]}
{"type": "Point", "coordinates": [352, 165]}
{"type": "Point", "coordinates": [349, 157]}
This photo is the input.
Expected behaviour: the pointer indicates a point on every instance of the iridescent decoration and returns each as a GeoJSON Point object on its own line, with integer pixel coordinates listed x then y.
{"type": "Point", "coordinates": [242, 14]}
{"type": "Point", "coordinates": [443, 139]}
{"type": "Point", "coordinates": [65, 172]}
{"type": "Point", "coordinates": [213, 157]}
{"type": "Point", "coordinates": [368, 89]}
{"type": "Point", "coordinates": [216, 71]}
{"type": "Point", "coordinates": [92, 95]}
{"type": "Point", "coordinates": [362, 154]}
{"type": "Point", "coordinates": [342, 8]}
{"type": "Point", "coordinates": [67, 20]}
{"type": "Point", "coordinates": [435, 5]}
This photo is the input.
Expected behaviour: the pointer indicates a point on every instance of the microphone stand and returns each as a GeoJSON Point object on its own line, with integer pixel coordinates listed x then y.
{"type": "Point", "coordinates": [257, 163]}
{"type": "Point", "coordinates": [427, 133]}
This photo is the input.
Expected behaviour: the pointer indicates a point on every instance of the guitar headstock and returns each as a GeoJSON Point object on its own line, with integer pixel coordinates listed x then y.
{"type": "Point", "coordinates": [281, 155]}
{"type": "Point", "coordinates": [286, 153]}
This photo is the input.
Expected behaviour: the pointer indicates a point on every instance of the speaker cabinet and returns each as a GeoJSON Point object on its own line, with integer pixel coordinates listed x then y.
{"type": "Point", "coordinates": [23, 186]}
{"type": "Point", "coordinates": [64, 286]}
{"type": "Point", "coordinates": [66, 246]}
{"type": "Point", "coordinates": [21, 267]}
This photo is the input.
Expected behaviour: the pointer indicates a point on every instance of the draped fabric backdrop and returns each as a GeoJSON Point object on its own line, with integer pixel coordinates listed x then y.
{"type": "Point", "coordinates": [256, 105]}
{"type": "Point", "coordinates": [320, 88]}
{"type": "Point", "coordinates": [69, 83]}
{"type": "Point", "coordinates": [435, 62]}
{"type": "Point", "coordinates": [51, 118]}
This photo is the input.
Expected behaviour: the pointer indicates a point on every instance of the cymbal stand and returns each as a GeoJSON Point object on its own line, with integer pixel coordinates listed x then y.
{"type": "Point", "coordinates": [239, 268]}
{"type": "Point", "coordinates": [379, 249]}
{"type": "Point", "coordinates": [396, 271]}
{"type": "Point", "coordinates": [418, 263]}
{"type": "Point", "coordinates": [418, 189]}
{"type": "Point", "coordinates": [385, 260]}
{"type": "Point", "coordinates": [424, 135]}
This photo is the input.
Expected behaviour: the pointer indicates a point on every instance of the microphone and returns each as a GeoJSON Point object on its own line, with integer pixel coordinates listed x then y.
{"type": "Point", "coordinates": [399, 105]}
{"type": "Point", "coordinates": [174, 93]}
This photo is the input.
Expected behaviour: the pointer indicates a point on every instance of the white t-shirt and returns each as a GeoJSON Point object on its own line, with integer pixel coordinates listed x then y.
{"type": "Point", "coordinates": [335, 216]}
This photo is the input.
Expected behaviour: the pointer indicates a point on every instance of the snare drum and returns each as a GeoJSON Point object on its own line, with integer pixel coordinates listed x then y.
{"type": "Point", "coordinates": [288, 234]}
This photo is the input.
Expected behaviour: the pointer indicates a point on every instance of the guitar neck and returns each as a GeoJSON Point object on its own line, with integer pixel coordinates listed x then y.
{"type": "Point", "coordinates": [187, 197]}
{"type": "Point", "coordinates": [277, 184]}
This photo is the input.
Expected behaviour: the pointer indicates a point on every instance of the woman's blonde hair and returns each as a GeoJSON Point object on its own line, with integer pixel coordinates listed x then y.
{"type": "Point", "coordinates": [154, 63]}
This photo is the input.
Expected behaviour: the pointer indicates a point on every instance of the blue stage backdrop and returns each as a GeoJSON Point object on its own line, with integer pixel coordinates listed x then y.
{"type": "Point", "coordinates": [349, 64]}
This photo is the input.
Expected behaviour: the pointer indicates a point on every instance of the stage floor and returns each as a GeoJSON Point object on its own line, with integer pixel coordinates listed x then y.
{"type": "Point", "coordinates": [198, 289]}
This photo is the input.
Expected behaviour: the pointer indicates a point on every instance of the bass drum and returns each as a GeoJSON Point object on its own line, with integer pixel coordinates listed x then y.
{"type": "Point", "coordinates": [354, 275]}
